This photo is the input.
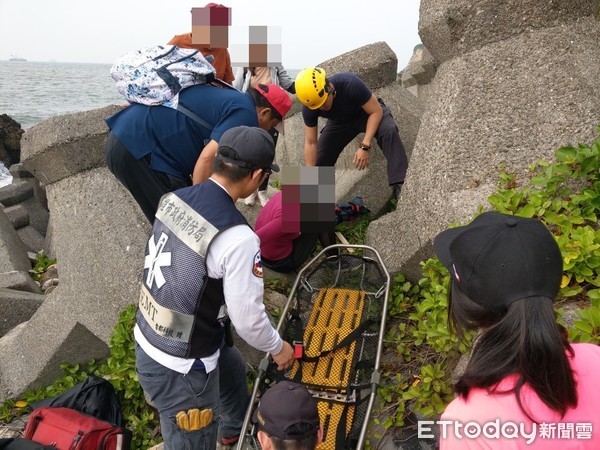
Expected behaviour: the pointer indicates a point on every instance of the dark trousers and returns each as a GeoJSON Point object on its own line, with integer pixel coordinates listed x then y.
{"type": "Point", "coordinates": [302, 248]}
{"type": "Point", "coordinates": [224, 390]}
{"type": "Point", "coordinates": [145, 184]}
{"type": "Point", "coordinates": [336, 135]}
{"type": "Point", "coordinates": [265, 183]}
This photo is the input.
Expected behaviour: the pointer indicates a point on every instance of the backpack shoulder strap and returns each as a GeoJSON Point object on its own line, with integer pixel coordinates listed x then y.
{"type": "Point", "coordinates": [195, 117]}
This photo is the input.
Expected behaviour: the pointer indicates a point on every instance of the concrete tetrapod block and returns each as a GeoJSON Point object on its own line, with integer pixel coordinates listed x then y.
{"type": "Point", "coordinates": [19, 306]}
{"type": "Point", "coordinates": [16, 192]}
{"type": "Point", "coordinates": [19, 171]}
{"type": "Point", "coordinates": [39, 202]}
{"type": "Point", "coordinates": [19, 281]}
{"type": "Point", "coordinates": [65, 145]}
{"type": "Point", "coordinates": [23, 207]}
{"type": "Point", "coordinates": [420, 69]}
{"type": "Point", "coordinates": [496, 109]}
{"type": "Point", "coordinates": [38, 213]}
{"type": "Point", "coordinates": [376, 64]}
{"type": "Point", "coordinates": [31, 238]}
{"type": "Point", "coordinates": [17, 215]}
{"type": "Point", "coordinates": [32, 357]}
{"type": "Point", "coordinates": [7, 341]}
{"type": "Point", "coordinates": [99, 238]}
{"type": "Point", "coordinates": [449, 28]}
{"type": "Point", "coordinates": [13, 254]}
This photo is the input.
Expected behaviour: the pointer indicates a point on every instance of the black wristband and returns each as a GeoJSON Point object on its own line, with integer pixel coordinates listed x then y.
{"type": "Point", "coordinates": [365, 147]}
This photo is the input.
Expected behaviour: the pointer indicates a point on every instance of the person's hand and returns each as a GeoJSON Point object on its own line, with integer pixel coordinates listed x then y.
{"type": "Point", "coordinates": [285, 358]}
{"type": "Point", "coordinates": [361, 159]}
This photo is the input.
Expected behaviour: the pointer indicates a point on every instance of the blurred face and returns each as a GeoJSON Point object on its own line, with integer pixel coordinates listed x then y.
{"type": "Point", "coordinates": [266, 121]}
{"type": "Point", "coordinates": [210, 26]}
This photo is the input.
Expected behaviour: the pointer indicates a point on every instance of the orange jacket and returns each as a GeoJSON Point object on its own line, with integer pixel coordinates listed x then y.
{"type": "Point", "coordinates": [221, 62]}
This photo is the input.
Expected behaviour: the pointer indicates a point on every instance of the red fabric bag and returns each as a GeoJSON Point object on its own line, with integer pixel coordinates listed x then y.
{"type": "Point", "coordinates": [68, 429]}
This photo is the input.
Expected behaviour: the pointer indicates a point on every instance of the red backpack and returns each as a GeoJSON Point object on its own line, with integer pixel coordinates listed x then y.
{"type": "Point", "coordinates": [67, 429]}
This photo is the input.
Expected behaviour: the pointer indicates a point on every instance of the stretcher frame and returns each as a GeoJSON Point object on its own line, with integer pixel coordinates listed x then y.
{"type": "Point", "coordinates": [359, 391]}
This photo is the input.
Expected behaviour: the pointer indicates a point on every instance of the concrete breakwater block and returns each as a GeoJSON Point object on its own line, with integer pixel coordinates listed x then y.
{"type": "Point", "coordinates": [32, 356]}
{"type": "Point", "coordinates": [16, 192]}
{"type": "Point", "coordinates": [13, 255]}
{"type": "Point", "coordinates": [22, 305]}
{"type": "Point", "coordinates": [19, 281]}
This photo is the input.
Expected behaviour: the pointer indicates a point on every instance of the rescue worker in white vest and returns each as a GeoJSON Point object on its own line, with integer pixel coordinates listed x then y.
{"type": "Point", "coordinates": [203, 256]}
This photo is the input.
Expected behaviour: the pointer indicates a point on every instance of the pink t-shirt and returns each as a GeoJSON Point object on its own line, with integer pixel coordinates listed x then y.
{"type": "Point", "coordinates": [578, 429]}
{"type": "Point", "coordinates": [275, 244]}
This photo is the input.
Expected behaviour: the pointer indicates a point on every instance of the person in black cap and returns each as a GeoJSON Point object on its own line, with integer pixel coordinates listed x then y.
{"type": "Point", "coordinates": [203, 256]}
{"type": "Point", "coordinates": [287, 418]}
{"type": "Point", "coordinates": [505, 274]}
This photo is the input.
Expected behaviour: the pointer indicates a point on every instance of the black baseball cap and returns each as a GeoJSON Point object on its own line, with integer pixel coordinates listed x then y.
{"type": "Point", "coordinates": [498, 259]}
{"type": "Point", "coordinates": [286, 404]}
{"type": "Point", "coordinates": [253, 148]}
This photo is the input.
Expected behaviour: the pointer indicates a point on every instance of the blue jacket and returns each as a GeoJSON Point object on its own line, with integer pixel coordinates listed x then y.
{"type": "Point", "coordinates": [175, 141]}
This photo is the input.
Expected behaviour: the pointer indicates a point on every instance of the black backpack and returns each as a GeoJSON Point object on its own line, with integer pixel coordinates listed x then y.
{"type": "Point", "coordinates": [94, 396]}
{"type": "Point", "coordinates": [22, 444]}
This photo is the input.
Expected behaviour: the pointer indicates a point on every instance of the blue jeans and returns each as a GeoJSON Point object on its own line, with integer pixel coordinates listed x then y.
{"type": "Point", "coordinates": [224, 390]}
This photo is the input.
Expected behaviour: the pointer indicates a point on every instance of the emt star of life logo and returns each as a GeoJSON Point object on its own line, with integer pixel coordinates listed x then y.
{"type": "Point", "coordinates": [257, 268]}
{"type": "Point", "coordinates": [155, 260]}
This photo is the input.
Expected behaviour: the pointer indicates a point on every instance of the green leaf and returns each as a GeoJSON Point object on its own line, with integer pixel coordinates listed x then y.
{"type": "Point", "coordinates": [594, 294]}
{"type": "Point", "coordinates": [583, 326]}
{"type": "Point", "coordinates": [527, 211]}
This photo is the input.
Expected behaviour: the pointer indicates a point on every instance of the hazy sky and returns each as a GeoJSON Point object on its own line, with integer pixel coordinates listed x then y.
{"type": "Point", "coordinates": [101, 31]}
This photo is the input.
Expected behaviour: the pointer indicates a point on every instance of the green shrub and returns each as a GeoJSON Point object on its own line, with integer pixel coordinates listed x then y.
{"type": "Point", "coordinates": [40, 265]}
{"type": "Point", "coordinates": [565, 195]}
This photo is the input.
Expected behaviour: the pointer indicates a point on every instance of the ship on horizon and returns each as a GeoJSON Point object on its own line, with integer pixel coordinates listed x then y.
{"type": "Point", "coordinates": [16, 58]}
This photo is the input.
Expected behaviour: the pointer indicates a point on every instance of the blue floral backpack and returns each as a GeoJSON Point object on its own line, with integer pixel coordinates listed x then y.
{"type": "Point", "coordinates": [155, 75]}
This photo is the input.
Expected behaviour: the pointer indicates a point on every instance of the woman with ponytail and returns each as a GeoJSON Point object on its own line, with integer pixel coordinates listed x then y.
{"type": "Point", "coordinates": [525, 385]}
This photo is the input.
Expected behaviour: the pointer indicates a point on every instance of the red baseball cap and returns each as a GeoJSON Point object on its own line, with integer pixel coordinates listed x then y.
{"type": "Point", "coordinates": [276, 96]}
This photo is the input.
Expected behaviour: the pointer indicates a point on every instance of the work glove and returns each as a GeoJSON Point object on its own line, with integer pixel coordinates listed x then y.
{"type": "Point", "coordinates": [194, 419]}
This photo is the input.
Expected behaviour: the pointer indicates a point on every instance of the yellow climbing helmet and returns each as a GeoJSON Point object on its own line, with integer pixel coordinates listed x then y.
{"type": "Point", "coordinates": [311, 87]}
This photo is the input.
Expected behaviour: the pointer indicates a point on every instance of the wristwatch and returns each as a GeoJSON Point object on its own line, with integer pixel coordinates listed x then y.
{"type": "Point", "coordinates": [365, 147]}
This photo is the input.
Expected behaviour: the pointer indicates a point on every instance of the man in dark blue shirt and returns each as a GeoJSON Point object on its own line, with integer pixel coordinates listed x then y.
{"type": "Point", "coordinates": [351, 108]}
{"type": "Point", "coordinates": [153, 150]}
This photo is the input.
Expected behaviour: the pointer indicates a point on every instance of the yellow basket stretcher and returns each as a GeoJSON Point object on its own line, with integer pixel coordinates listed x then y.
{"type": "Point", "coordinates": [335, 318]}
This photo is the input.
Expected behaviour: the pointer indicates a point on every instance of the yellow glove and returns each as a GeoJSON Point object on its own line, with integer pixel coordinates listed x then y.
{"type": "Point", "coordinates": [200, 419]}
{"type": "Point", "coordinates": [194, 419]}
{"type": "Point", "coordinates": [206, 417]}
{"type": "Point", "coordinates": [183, 421]}
{"type": "Point", "coordinates": [194, 415]}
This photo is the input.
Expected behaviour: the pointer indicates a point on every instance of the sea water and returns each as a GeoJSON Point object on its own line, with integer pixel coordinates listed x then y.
{"type": "Point", "coordinates": [34, 91]}
{"type": "Point", "coordinates": [5, 176]}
